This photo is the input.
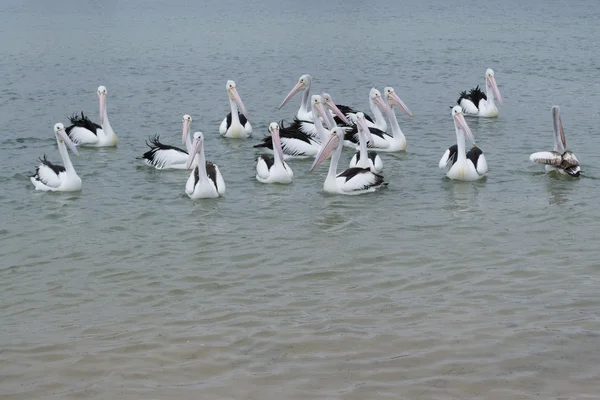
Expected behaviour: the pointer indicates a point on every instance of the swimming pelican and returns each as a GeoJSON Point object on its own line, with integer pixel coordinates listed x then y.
{"type": "Point", "coordinates": [458, 164]}
{"type": "Point", "coordinates": [309, 127]}
{"type": "Point", "coordinates": [164, 156]}
{"type": "Point", "coordinates": [479, 104]}
{"type": "Point", "coordinates": [235, 124]}
{"type": "Point", "coordinates": [396, 141]}
{"type": "Point", "coordinates": [296, 144]}
{"type": "Point", "coordinates": [560, 160]}
{"type": "Point", "coordinates": [56, 178]}
{"type": "Point", "coordinates": [364, 158]}
{"type": "Point", "coordinates": [84, 132]}
{"type": "Point", "coordinates": [303, 84]}
{"type": "Point", "coordinates": [205, 181]}
{"type": "Point", "coordinates": [351, 181]}
{"type": "Point", "coordinates": [379, 137]}
{"type": "Point", "coordinates": [273, 169]}
{"type": "Point", "coordinates": [379, 122]}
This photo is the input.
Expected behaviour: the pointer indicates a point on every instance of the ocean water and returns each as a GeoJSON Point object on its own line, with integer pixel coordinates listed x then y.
{"type": "Point", "coordinates": [429, 289]}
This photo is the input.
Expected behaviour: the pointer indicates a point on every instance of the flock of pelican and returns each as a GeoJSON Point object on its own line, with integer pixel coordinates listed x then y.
{"type": "Point", "coordinates": [320, 130]}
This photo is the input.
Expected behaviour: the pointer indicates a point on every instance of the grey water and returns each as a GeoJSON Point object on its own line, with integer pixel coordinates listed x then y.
{"type": "Point", "coordinates": [429, 289]}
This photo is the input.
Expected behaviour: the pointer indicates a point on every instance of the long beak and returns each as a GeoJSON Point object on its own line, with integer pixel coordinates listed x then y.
{"type": "Point", "coordinates": [291, 94]}
{"type": "Point", "coordinates": [68, 141]}
{"type": "Point", "coordinates": [186, 130]}
{"type": "Point", "coordinates": [362, 124]}
{"type": "Point", "coordinates": [238, 100]}
{"type": "Point", "coordinates": [381, 104]}
{"type": "Point", "coordinates": [331, 105]}
{"type": "Point", "coordinates": [494, 86]}
{"type": "Point", "coordinates": [462, 124]}
{"type": "Point", "coordinates": [326, 150]}
{"type": "Point", "coordinates": [196, 147]}
{"type": "Point", "coordinates": [102, 97]}
{"type": "Point", "coordinates": [559, 132]}
{"type": "Point", "coordinates": [321, 112]}
{"type": "Point", "coordinates": [277, 142]}
{"type": "Point", "coordinates": [396, 101]}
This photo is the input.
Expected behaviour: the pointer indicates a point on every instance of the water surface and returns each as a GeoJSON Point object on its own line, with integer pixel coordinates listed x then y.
{"type": "Point", "coordinates": [430, 289]}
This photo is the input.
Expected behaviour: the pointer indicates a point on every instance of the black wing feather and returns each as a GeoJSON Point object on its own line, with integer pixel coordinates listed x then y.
{"type": "Point", "coordinates": [474, 154]}
{"type": "Point", "coordinates": [155, 145]}
{"type": "Point", "coordinates": [82, 122]}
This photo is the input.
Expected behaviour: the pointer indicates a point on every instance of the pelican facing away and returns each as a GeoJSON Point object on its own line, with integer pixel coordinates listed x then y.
{"type": "Point", "coordinates": [273, 169]}
{"type": "Point", "coordinates": [479, 104]}
{"type": "Point", "coordinates": [459, 164]}
{"type": "Point", "coordinates": [363, 158]}
{"type": "Point", "coordinates": [235, 124]}
{"type": "Point", "coordinates": [351, 181]}
{"type": "Point", "coordinates": [53, 177]}
{"type": "Point", "coordinates": [205, 181]}
{"type": "Point", "coordinates": [84, 132]}
{"type": "Point", "coordinates": [164, 156]}
{"type": "Point", "coordinates": [560, 160]}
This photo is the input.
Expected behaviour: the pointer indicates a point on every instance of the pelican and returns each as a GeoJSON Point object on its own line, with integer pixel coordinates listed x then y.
{"type": "Point", "coordinates": [56, 178]}
{"type": "Point", "coordinates": [364, 158]}
{"type": "Point", "coordinates": [309, 127]}
{"type": "Point", "coordinates": [351, 181]}
{"type": "Point", "coordinates": [235, 124]}
{"type": "Point", "coordinates": [205, 181]}
{"type": "Point", "coordinates": [560, 160]}
{"type": "Point", "coordinates": [84, 132]}
{"type": "Point", "coordinates": [303, 84]}
{"type": "Point", "coordinates": [458, 165]}
{"type": "Point", "coordinates": [378, 136]}
{"type": "Point", "coordinates": [296, 144]}
{"type": "Point", "coordinates": [164, 156]}
{"type": "Point", "coordinates": [479, 104]}
{"type": "Point", "coordinates": [397, 141]}
{"type": "Point", "coordinates": [379, 122]}
{"type": "Point", "coordinates": [273, 169]}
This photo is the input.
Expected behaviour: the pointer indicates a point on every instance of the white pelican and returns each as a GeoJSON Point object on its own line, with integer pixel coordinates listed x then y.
{"type": "Point", "coordinates": [296, 144]}
{"type": "Point", "coordinates": [235, 124]}
{"type": "Point", "coordinates": [56, 178]}
{"type": "Point", "coordinates": [479, 104]}
{"type": "Point", "coordinates": [396, 141]}
{"type": "Point", "coordinates": [164, 156]}
{"type": "Point", "coordinates": [351, 181]}
{"type": "Point", "coordinates": [309, 128]}
{"type": "Point", "coordinates": [205, 181]}
{"type": "Point", "coordinates": [303, 84]}
{"type": "Point", "coordinates": [351, 137]}
{"type": "Point", "coordinates": [273, 169]}
{"type": "Point", "coordinates": [364, 158]}
{"type": "Point", "coordinates": [84, 132]}
{"type": "Point", "coordinates": [379, 123]}
{"type": "Point", "coordinates": [560, 160]}
{"type": "Point", "coordinates": [458, 164]}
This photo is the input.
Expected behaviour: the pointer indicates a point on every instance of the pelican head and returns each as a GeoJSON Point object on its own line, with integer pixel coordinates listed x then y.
{"type": "Point", "coordinates": [327, 100]}
{"type": "Point", "coordinates": [61, 135]}
{"type": "Point", "coordinates": [187, 121]}
{"type": "Point", "coordinates": [102, 98]}
{"type": "Point", "coordinates": [460, 123]}
{"type": "Point", "coordinates": [490, 82]}
{"type": "Point", "coordinates": [560, 141]}
{"type": "Point", "coordinates": [335, 139]}
{"type": "Point", "coordinates": [196, 148]}
{"type": "Point", "coordinates": [234, 96]}
{"type": "Point", "coordinates": [361, 124]}
{"type": "Point", "coordinates": [303, 84]}
{"type": "Point", "coordinates": [375, 97]}
{"type": "Point", "coordinates": [394, 100]}
{"type": "Point", "coordinates": [274, 130]}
